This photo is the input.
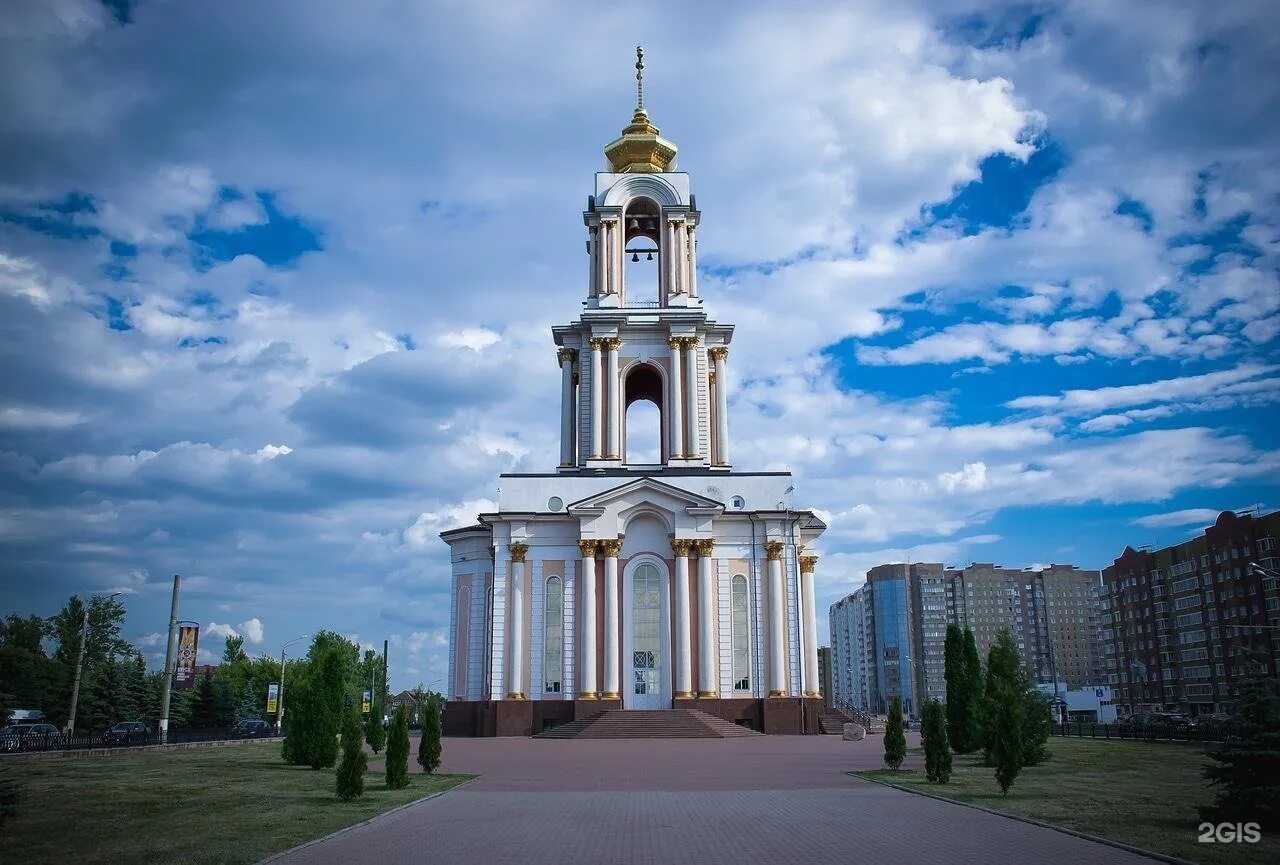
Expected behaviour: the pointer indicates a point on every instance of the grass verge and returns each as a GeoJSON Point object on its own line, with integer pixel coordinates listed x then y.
{"type": "Point", "coordinates": [215, 805]}
{"type": "Point", "coordinates": [1144, 794]}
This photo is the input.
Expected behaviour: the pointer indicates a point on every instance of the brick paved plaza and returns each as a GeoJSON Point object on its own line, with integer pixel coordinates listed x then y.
{"type": "Point", "coordinates": [767, 799]}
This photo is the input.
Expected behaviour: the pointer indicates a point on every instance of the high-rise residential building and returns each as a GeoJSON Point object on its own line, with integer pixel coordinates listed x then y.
{"type": "Point", "coordinates": [888, 638]}
{"type": "Point", "coordinates": [1182, 625]}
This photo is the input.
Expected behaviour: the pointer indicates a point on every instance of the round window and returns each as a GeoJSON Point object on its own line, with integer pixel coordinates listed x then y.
{"type": "Point", "coordinates": [555, 503]}
{"type": "Point", "coordinates": [739, 503]}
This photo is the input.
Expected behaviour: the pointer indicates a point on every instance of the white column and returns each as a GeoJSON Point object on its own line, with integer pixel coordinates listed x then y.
{"type": "Point", "coordinates": [597, 399]}
{"type": "Point", "coordinates": [587, 686]}
{"type": "Point", "coordinates": [718, 355]}
{"type": "Point", "coordinates": [684, 647]}
{"type": "Point", "coordinates": [673, 257]}
{"type": "Point", "coordinates": [568, 406]}
{"type": "Point", "coordinates": [593, 246]}
{"type": "Point", "coordinates": [615, 398]}
{"type": "Point", "coordinates": [675, 400]}
{"type": "Point", "coordinates": [693, 262]}
{"type": "Point", "coordinates": [515, 623]}
{"type": "Point", "coordinates": [707, 686]}
{"type": "Point", "coordinates": [606, 257]}
{"type": "Point", "coordinates": [807, 605]}
{"type": "Point", "coordinates": [691, 374]}
{"type": "Point", "coordinates": [612, 631]}
{"type": "Point", "coordinates": [777, 621]}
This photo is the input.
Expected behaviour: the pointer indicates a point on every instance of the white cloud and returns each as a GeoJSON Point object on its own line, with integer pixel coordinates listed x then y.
{"type": "Point", "coordinates": [213, 629]}
{"type": "Point", "coordinates": [252, 630]}
{"type": "Point", "coordinates": [1190, 517]}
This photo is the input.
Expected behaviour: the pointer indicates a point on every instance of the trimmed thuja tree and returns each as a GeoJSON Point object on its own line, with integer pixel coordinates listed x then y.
{"type": "Point", "coordinates": [1003, 711]}
{"type": "Point", "coordinates": [895, 741]}
{"type": "Point", "coordinates": [1247, 774]}
{"type": "Point", "coordinates": [375, 734]}
{"type": "Point", "coordinates": [350, 781]}
{"type": "Point", "coordinates": [937, 750]}
{"type": "Point", "coordinates": [398, 751]}
{"type": "Point", "coordinates": [429, 746]}
{"type": "Point", "coordinates": [959, 710]}
{"type": "Point", "coordinates": [973, 693]}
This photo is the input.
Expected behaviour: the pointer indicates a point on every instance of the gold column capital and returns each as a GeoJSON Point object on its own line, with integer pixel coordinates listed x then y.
{"type": "Point", "coordinates": [718, 352]}
{"type": "Point", "coordinates": [518, 552]}
{"type": "Point", "coordinates": [704, 546]}
{"type": "Point", "coordinates": [807, 564]}
{"type": "Point", "coordinates": [611, 547]}
{"type": "Point", "coordinates": [567, 355]}
{"type": "Point", "coordinates": [773, 550]}
{"type": "Point", "coordinates": [612, 343]}
{"type": "Point", "coordinates": [674, 341]}
{"type": "Point", "coordinates": [596, 343]}
{"type": "Point", "coordinates": [588, 548]}
{"type": "Point", "coordinates": [681, 547]}
{"type": "Point", "coordinates": [689, 342]}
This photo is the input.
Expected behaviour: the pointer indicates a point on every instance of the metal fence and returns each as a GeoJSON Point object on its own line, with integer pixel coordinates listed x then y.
{"type": "Point", "coordinates": [1150, 733]}
{"type": "Point", "coordinates": [92, 740]}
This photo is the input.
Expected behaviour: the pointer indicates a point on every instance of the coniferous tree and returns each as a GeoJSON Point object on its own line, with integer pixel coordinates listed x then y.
{"type": "Point", "coordinates": [398, 751]}
{"type": "Point", "coordinates": [1247, 774]}
{"type": "Point", "coordinates": [350, 778]}
{"type": "Point", "coordinates": [375, 733]}
{"type": "Point", "coordinates": [958, 709]}
{"type": "Point", "coordinates": [895, 740]}
{"type": "Point", "coordinates": [937, 749]}
{"type": "Point", "coordinates": [429, 746]}
{"type": "Point", "coordinates": [973, 735]}
{"type": "Point", "coordinates": [1003, 711]}
{"type": "Point", "coordinates": [1037, 724]}
{"type": "Point", "coordinates": [204, 703]}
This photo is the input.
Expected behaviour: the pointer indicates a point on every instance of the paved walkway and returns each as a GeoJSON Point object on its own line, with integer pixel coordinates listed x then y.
{"type": "Point", "coordinates": [771, 799]}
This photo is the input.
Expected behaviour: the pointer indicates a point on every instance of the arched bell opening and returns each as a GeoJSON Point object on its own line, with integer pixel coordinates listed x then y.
{"type": "Point", "coordinates": [642, 257]}
{"type": "Point", "coordinates": [644, 430]}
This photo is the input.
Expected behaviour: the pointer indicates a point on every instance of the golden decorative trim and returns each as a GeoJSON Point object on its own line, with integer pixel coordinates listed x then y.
{"type": "Point", "coordinates": [611, 547]}
{"type": "Point", "coordinates": [682, 695]}
{"type": "Point", "coordinates": [707, 695]}
{"type": "Point", "coordinates": [704, 546]}
{"type": "Point", "coordinates": [587, 695]}
{"type": "Point", "coordinates": [596, 343]}
{"type": "Point", "coordinates": [681, 547]}
{"type": "Point", "coordinates": [588, 548]}
{"type": "Point", "coordinates": [777, 693]}
{"type": "Point", "coordinates": [718, 352]}
{"type": "Point", "coordinates": [610, 695]}
{"type": "Point", "coordinates": [807, 564]}
{"type": "Point", "coordinates": [516, 695]}
{"type": "Point", "coordinates": [518, 552]}
{"type": "Point", "coordinates": [773, 550]}
{"type": "Point", "coordinates": [612, 343]}
{"type": "Point", "coordinates": [567, 354]}
{"type": "Point", "coordinates": [690, 342]}
{"type": "Point", "coordinates": [674, 341]}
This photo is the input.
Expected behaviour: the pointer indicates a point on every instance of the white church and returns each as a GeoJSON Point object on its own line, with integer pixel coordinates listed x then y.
{"type": "Point", "coordinates": [635, 581]}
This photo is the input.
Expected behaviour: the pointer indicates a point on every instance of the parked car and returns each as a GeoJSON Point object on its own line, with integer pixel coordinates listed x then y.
{"type": "Point", "coordinates": [1134, 722]}
{"type": "Point", "coordinates": [1170, 722]}
{"type": "Point", "coordinates": [127, 733]}
{"type": "Point", "coordinates": [251, 728]}
{"type": "Point", "coordinates": [30, 737]}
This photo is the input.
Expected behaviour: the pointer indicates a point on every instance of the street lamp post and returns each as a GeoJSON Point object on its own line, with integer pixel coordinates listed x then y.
{"type": "Point", "coordinates": [75, 685]}
{"type": "Point", "coordinates": [280, 703]}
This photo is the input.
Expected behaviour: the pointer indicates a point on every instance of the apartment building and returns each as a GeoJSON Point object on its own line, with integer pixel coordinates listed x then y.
{"type": "Point", "coordinates": [1183, 625]}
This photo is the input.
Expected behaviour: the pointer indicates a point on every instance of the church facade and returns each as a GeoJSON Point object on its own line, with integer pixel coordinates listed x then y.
{"type": "Point", "coordinates": [621, 582]}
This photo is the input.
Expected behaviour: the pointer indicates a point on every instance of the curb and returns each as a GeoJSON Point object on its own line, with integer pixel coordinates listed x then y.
{"type": "Point", "coordinates": [375, 818]}
{"type": "Point", "coordinates": [1120, 845]}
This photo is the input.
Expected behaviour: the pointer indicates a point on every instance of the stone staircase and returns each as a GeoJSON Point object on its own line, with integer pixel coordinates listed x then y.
{"type": "Point", "coordinates": [833, 718]}
{"type": "Point", "coordinates": [648, 724]}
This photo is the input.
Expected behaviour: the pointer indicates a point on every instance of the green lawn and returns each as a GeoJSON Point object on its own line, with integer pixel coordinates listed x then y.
{"type": "Point", "coordinates": [215, 805]}
{"type": "Point", "coordinates": [1144, 794]}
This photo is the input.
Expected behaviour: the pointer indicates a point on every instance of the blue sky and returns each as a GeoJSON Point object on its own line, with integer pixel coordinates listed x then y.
{"type": "Point", "coordinates": [276, 282]}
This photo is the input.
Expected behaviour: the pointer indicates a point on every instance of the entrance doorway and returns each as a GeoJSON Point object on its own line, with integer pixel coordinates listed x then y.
{"type": "Point", "coordinates": [647, 682]}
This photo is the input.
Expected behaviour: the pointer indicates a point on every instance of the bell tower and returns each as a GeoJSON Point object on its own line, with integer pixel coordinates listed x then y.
{"type": "Point", "coordinates": [631, 344]}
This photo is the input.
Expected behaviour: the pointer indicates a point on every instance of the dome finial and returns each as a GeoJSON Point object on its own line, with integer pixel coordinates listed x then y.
{"type": "Point", "coordinates": [639, 78]}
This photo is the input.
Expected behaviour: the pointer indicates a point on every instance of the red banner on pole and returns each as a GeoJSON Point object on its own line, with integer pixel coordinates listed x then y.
{"type": "Point", "coordinates": [184, 673]}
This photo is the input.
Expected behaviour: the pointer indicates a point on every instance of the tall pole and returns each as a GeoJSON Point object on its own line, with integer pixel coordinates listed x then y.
{"type": "Point", "coordinates": [382, 696]}
{"type": "Point", "coordinates": [280, 701]}
{"type": "Point", "coordinates": [75, 685]}
{"type": "Point", "coordinates": [169, 660]}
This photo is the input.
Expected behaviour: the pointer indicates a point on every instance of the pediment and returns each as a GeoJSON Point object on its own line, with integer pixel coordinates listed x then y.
{"type": "Point", "coordinates": [645, 490]}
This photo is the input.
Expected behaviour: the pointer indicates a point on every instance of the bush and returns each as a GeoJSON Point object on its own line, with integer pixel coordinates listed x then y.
{"type": "Point", "coordinates": [895, 741]}
{"type": "Point", "coordinates": [375, 733]}
{"type": "Point", "coordinates": [429, 746]}
{"type": "Point", "coordinates": [1248, 772]}
{"type": "Point", "coordinates": [937, 749]}
{"type": "Point", "coordinates": [398, 751]}
{"type": "Point", "coordinates": [350, 780]}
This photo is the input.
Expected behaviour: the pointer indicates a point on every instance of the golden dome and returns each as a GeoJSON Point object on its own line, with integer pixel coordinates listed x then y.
{"type": "Point", "coordinates": [640, 149]}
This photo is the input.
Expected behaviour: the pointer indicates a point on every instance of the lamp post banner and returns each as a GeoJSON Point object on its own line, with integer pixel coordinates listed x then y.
{"type": "Point", "coordinates": [367, 705]}
{"type": "Point", "coordinates": [273, 696]}
{"type": "Point", "coordinates": [184, 671]}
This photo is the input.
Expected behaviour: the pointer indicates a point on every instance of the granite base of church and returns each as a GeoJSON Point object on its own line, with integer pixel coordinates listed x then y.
{"type": "Point", "coordinates": [786, 716]}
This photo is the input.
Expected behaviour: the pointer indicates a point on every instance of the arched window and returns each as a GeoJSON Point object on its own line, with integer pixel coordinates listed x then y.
{"type": "Point", "coordinates": [643, 424]}
{"type": "Point", "coordinates": [553, 636]}
{"type": "Point", "coordinates": [642, 265]}
{"type": "Point", "coordinates": [740, 623]}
